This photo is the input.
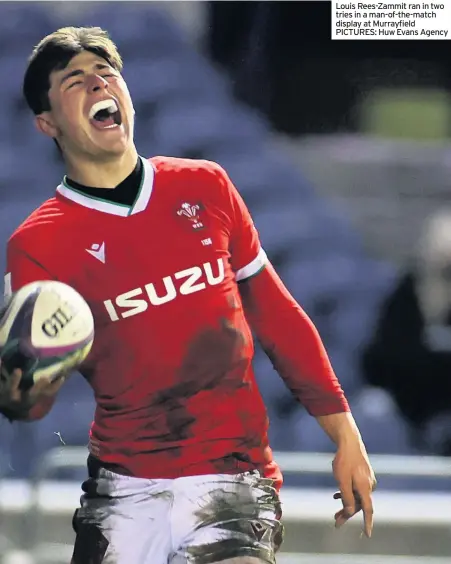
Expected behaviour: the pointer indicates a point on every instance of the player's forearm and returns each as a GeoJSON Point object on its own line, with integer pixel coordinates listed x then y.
{"type": "Point", "coordinates": [340, 427]}
{"type": "Point", "coordinates": [292, 342]}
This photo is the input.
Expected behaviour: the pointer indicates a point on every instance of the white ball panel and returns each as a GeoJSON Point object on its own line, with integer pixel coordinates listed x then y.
{"type": "Point", "coordinates": [61, 317]}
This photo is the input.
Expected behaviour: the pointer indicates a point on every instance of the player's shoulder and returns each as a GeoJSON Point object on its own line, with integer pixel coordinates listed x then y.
{"type": "Point", "coordinates": [38, 224]}
{"type": "Point", "coordinates": [181, 167]}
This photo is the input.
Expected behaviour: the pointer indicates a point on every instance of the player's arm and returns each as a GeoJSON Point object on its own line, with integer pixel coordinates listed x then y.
{"type": "Point", "coordinates": [22, 269]}
{"type": "Point", "coordinates": [294, 346]}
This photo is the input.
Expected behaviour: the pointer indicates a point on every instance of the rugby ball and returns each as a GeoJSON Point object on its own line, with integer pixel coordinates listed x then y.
{"type": "Point", "coordinates": [46, 328]}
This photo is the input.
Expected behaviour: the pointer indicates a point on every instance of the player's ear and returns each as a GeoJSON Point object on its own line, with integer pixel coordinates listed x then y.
{"type": "Point", "coordinates": [45, 125]}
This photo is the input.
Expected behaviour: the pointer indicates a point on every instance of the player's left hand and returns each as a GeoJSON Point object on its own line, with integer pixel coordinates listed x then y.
{"type": "Point", "coordinates": [356, 480]}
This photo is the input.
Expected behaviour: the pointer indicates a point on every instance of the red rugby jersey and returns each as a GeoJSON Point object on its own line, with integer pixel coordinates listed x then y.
{"type": "Point", "coordinates": [171, 362]}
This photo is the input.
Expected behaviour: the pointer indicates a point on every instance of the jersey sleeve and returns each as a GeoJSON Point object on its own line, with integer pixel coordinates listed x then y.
{"type": "Point", "coordinates": [247, 255]}
{"type": "Point", "coordinates": [21, 269]}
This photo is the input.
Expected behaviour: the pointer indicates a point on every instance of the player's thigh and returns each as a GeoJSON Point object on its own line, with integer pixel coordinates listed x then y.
{"type": "Point", "coordinates": [121, 540]}
{"type": "Point", "coordinates": [229, 517]}
{"type": "Point", "coordinates": [127, 526]}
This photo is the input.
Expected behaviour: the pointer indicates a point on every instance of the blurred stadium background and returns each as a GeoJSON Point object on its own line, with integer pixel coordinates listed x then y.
{"type": "Point", "coordinates": [341, 151]}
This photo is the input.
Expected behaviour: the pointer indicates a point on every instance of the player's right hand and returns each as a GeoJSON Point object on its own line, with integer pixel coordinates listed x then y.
{"type": "Point", "coordinates": [12, 396]}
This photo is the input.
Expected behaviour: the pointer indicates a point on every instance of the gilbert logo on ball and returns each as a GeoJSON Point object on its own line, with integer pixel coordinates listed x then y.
{"type": "Point", "coordinates": [58, 321]}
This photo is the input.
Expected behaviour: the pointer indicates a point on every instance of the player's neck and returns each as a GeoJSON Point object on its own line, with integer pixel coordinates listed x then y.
{"type": "Point", "coordinates": [106, 174]}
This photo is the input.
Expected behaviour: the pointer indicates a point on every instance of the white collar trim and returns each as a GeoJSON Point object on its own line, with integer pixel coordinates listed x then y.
{"type": "Point", "coordinates": [123, 210]}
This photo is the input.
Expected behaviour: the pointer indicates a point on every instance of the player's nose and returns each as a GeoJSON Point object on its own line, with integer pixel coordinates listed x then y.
{"type": "Point", "coordinates": [96, 83]}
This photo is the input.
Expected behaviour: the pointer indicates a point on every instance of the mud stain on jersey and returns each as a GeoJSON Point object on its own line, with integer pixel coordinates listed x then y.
{"type": "Point", "coordinates": [210, 362]}
{"type": "Point", "coordinates": [213, 357]}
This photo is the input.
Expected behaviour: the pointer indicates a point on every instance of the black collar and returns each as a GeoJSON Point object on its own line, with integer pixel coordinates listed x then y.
{"type": "Point", "coordinates": [124, 193]}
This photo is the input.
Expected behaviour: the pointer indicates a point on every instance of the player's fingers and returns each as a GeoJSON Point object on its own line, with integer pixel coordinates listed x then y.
{"type": "Point", "coordinates": [39, 388]}
{"type": "Point", "coordinates": [14, 390]}
{"type": "Point", "coordinates": [347, 497]}
{"type": "Point", "coordinates": [340, 518]}
{"type": "Point", "coordinates": [47, 386]}
{"type": "Point", "coordinates": [368, 511]}
{"type": "Point", "coordinates": [54, 386]}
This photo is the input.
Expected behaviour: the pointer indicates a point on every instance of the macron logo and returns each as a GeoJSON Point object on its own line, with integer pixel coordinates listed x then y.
{"type": "Point", "coordinates": [97, 251]}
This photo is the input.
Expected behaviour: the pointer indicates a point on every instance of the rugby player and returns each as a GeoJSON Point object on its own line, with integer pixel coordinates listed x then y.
{"type": "Point", "coordinates": [166, 254]}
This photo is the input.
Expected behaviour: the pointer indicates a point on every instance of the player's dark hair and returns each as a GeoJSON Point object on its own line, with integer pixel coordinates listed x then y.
{"type": "Point", "coordinates": [55, 52]}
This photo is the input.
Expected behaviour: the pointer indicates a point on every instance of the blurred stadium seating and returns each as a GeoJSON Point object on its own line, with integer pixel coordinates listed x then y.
{"type": "Point", "coordinates": [185, 107]}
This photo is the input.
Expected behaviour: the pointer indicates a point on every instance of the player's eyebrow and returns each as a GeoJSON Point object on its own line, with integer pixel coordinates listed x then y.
{"type": "Point", "coordinates": [70, 75]}
{"type": "Point", "coordinates": [79, 72]}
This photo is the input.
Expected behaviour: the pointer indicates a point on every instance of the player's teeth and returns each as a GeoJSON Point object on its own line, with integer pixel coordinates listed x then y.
{"type": "Point", "coordinates": [109, 105]}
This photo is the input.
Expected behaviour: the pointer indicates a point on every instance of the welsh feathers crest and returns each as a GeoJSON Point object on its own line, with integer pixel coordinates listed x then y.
{"type": "Point", "coordinates": [191, 212]}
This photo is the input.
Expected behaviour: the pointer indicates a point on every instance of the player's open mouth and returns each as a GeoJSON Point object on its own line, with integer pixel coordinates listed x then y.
{"type": "Point", "coordinates": [105, 114]}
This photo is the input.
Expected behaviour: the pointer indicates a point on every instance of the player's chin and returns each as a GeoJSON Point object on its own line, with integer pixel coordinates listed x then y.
{"type": "Point", "coordinates": [112, 141]}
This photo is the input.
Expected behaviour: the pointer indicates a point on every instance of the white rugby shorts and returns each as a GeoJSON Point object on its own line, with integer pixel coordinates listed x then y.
{"type": "Point", "coordinates": [188, 520]}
